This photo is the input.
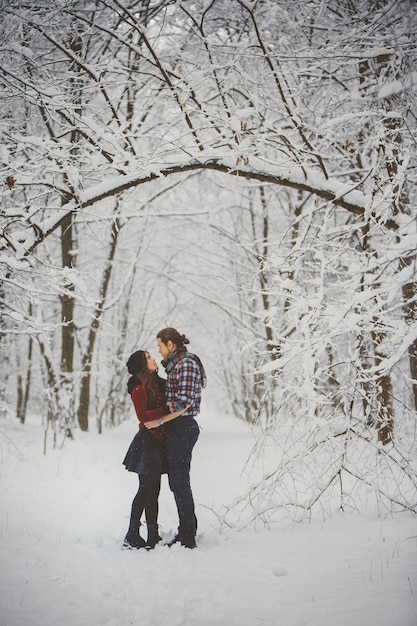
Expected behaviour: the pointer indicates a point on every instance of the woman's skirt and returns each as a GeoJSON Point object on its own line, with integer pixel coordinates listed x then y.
{"type": "Point", "coordinates": [146, 455]}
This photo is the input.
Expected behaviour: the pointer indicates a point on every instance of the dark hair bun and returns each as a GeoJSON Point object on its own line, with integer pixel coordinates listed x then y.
{"type": "Point", "coordinates": [171, 334]}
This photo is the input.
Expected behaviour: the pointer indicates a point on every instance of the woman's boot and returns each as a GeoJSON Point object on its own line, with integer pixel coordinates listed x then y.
{"type": "Point", "coordinates": [153, 536]}
{"type": "Point", "coordinates": [133, 540]}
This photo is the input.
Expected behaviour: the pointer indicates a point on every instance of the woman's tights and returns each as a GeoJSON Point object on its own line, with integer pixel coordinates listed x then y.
{"type": "Point", "coordinates": [146, 498]}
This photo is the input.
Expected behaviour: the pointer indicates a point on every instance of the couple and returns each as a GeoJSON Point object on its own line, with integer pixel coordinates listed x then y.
{"type": "Point", "coordinates": [166, 437]}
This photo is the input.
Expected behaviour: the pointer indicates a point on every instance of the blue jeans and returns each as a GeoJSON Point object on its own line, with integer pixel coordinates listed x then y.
{"type": "Point", "coordinates": [182, 434]}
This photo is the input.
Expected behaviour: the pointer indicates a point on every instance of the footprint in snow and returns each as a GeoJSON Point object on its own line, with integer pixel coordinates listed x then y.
{"type": "Point", "coordinates": [279, 572]}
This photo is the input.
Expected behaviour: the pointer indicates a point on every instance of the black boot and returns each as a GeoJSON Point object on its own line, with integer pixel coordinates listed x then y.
{"type": "Point", "coordinates": [133, 540]}
{"type": "Point", "coordinates": [187, 539]}
{"type": "Point", "coordinates": [153, 536]}
{"type": "Point", "coordinates": [184, 536]}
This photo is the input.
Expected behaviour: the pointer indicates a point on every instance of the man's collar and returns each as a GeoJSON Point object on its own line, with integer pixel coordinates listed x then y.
{"type": "Point", "coordinates": [175, 357]}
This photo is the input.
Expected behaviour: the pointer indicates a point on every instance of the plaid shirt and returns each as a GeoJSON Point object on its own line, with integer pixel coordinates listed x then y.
{"type": "Point", "coordinates": [184, 383]}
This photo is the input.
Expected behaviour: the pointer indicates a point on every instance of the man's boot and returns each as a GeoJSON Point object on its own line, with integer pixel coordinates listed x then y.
{"type": "Point", "coordinates": [184, 536]}
{"type": "Point", "coordinates": [187, 538]}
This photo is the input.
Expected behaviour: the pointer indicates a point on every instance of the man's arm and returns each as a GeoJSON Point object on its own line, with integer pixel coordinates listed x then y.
{"type": "Point", "coordinates": [188, 383]}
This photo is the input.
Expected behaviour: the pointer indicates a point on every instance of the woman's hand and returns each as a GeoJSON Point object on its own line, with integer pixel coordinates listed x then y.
{"type": "Point", "coordinates": [152, 424]}
{"type": "Point", "coordinates": [166, 418]}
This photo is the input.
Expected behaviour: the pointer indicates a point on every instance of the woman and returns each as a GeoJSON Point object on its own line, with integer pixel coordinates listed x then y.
{"type": "Point", "coordinates": [186, 378]}
{"type": "Point", "coordinates": [146, 454]}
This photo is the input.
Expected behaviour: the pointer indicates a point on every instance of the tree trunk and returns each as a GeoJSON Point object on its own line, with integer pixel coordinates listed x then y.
{"type": "Point", "coordinates": [394, 125]}
{"type": "Point", "coordinates": [84, 400]}
{"type": "Point", "coordinates": [410, 313]}
{"type": "Point", "coordinates": [24, 390]}
{"type": "Point", "coordinates": [376, 392]}
{"type": "Point", "coordinates": [385, 409]}
{"type": "Point", "coordinates": [67, 303]}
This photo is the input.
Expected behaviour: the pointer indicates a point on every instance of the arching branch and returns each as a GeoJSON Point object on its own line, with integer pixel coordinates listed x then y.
{"type": "Point", "coordinates": [346, 196]}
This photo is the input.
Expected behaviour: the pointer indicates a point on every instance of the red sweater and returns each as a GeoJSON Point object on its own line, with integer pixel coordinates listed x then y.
{"type": "Point", "coordinates": [147, 415]}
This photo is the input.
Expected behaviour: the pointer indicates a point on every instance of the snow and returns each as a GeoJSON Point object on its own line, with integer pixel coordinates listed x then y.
{"type": "Point", "coordinates": [395, 87]}
{"type": "Point", "coordinates": [64, 515]}
{"type": "Point", "coordinates": [18, 49]}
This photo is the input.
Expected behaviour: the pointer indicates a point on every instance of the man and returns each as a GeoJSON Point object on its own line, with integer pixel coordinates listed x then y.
{"type": "Point", "coordinates": [185, 379]}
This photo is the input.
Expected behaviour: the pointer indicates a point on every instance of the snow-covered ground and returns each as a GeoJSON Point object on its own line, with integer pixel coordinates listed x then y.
{"type": "Point", "coordinates": [64, 515]}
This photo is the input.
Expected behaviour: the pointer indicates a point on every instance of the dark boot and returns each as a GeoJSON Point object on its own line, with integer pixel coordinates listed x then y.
{"type": "Point", "coordinates": [187, 539]}
{"type": "Point", "coordinates": [133, 540]}
{"type": "Point", "coordinates": [184, 536]}
{"type": "Point", "coordinates": [153, 536]}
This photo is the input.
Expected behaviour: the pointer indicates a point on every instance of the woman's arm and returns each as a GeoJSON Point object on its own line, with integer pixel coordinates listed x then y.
{"type": "Point", "coordinates": [166, 418]}
{"type": "Point", "coordinates": [144, 414]}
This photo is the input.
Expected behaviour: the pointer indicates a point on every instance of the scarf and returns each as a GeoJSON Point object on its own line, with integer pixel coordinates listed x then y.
{"type": "Point", "coordinates": [174, 358]}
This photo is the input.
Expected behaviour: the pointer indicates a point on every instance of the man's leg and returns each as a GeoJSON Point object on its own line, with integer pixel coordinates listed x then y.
{"type": "Point", "coordinates": [181, 438]}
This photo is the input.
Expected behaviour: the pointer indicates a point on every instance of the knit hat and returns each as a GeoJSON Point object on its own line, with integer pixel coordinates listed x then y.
{"type": "Point", "coordinates": [135, 362]}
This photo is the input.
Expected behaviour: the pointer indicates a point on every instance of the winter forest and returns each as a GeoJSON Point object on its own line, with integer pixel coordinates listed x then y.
{"type": "Point", "coordinates": [243, 170]}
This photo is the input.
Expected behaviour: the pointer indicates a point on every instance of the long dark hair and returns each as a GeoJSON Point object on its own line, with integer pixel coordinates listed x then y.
{"type": "Point", "coordinates": [140, 375]}
{"type": "Point", "coordinates": [171, 334]}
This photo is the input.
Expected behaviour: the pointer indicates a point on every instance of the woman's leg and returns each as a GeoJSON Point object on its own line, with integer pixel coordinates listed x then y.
{"type": "Point", "coordinates": [133, 538]}
{"type": "Point", "coordinates": [151, 485]}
